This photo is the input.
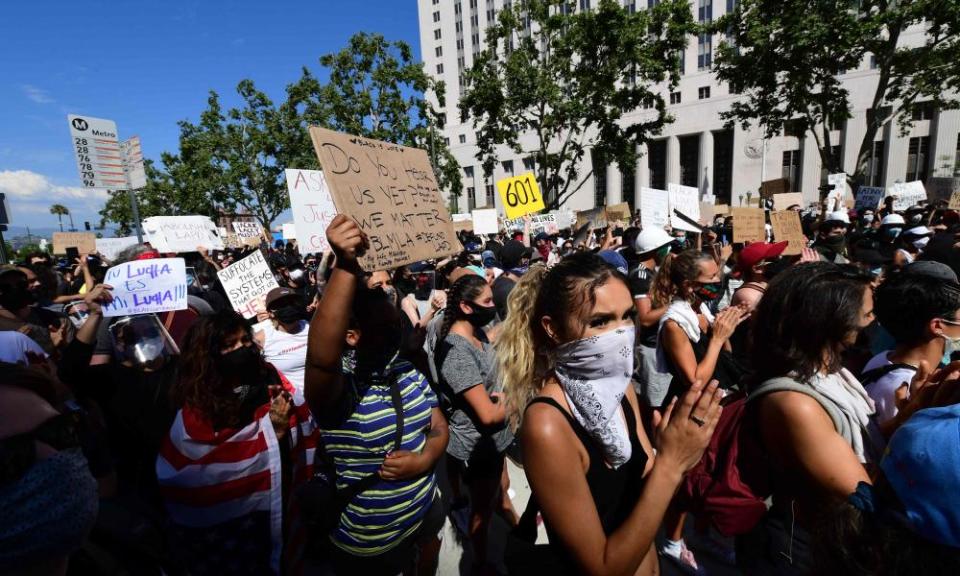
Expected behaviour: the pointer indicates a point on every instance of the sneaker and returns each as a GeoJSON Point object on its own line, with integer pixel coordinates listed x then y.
{"type": "Point", "coordinates": [685, 560]}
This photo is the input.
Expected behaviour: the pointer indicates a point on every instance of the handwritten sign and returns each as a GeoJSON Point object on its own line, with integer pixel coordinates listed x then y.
{"type": "Point", "coordinates": [548, 223]}
{"type": "Point", "coordinates": [392, 194]}
{"type": "Point", "coordinates": [619, 211]}
{"type": "Point", "coordinates": [784, 201]}
{"type": "Point", "coordinates": [869, 197]}
{"type": "Point", "coordinates": [654, 208]}
{"type": "Point", "coordinates": [520, 195]}
{"type": "Point", "coordinates": [84, 242]}
{"type": "Point", "coordinates": [596, 218]}
{"type": "Point", "coordinates": [110, 248]}
{"type": "Point", "coordinates": [248, 229]}
{"type": "Point", "coordinates": [748, 225]}
{"type": "Point", "coordinates": [686, 199]}
{"type": "Point", "coordinates": [147, 287]}
{"type": "Point", "coordinates": [313, 208]}
{"type": "Point", "coordinates": [955, 201]}
{"type": "Point", "coordinates": [247, 282]}
{"type": "Point", "coordinates": [907, 195]}
{"type": "Point", "coordinates": [485, 221]}
{"type": "Point", "coordinates": [182, 233]}
{"type": "Point", "coordinates": [786, 227]}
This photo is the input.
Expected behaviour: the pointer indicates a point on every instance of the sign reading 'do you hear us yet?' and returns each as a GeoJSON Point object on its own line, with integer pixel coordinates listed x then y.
{"type": "Point", "coordinates": [247, 282]}
{"type": "Point", "coordinates": [786, 227]}
{"type": "Point", "coordinates": [147, 287]}
{"type": "Point", "coordinates": [313, 208]}
{"type": "Point", "coordinates": [84, 242]}
{"type": "Point", "coordinates": [520, 195]}
{"type": "Point", "coordinates": [392, 194]}
{"type": "Point", "coordinates": [748, 225]}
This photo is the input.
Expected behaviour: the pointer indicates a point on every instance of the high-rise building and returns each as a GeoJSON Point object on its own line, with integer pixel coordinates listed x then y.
{"type": "Point", "coordinates": [696, 149]}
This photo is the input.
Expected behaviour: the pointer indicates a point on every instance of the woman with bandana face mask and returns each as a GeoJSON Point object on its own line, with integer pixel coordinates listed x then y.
{"type": "Point", "coordinates": [566, 358]}
{"type": "Point", "coordinates": [466, 364]}
{"type": "Point", "coordinates": [693, 346]}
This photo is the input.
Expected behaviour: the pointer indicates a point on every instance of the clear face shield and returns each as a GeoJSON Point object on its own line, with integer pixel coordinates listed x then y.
{"type": "Point", "coordinates": [142, 342]}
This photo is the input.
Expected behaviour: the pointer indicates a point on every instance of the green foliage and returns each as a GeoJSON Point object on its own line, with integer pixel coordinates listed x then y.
{"type": "Point", "coordinates": [786, 59]}
{"type": "Point", "coordinates": [59, 210]}
{"type": "Point", "coordinates": [566, 78]}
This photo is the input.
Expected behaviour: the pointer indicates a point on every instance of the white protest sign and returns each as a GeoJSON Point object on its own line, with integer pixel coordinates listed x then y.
{"type": "Point", "coordinates": [97, 151]}
{"type": "Point", "coordinates": [313, 208]}
{"type": "Point", "coordinates": [461, 217]}
{"type": "Point", "coordinates": [289, 231]}
{"type": "Point", "coordinates": [485, 221]}
{"type": "Point", "coordinates": [109, 248]}
{"type": "Point", "coordinates": [686, 199]}
{"type": "Point", "coordinates": [133, 168]}
{"type": "Point", "coordinates": [655, 208]}
{"type": "Point", "coordinates": [247, 282]}
{"type": "Point", "coordinates": [907, 195]}
{"type": "Point", "coordinates": [147, 287]}
{"type": "Point", "coordinates": [547, 223]}
{"type": "Point", "coordinates": [869, 197]}
{"type": "Point", "coordinates": [248, 229]}
{"type": "Point", "coordinates": [182, 233]}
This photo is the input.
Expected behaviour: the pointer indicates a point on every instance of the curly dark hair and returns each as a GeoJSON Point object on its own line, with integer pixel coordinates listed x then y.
{"type": "Point", "coordinates": [199, 384]}
{"type": "Point", "coordinates": [804, 318]}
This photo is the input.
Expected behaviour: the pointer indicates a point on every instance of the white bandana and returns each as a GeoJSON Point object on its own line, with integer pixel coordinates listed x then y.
{"type": "Point", "coordinates": [594, 373]}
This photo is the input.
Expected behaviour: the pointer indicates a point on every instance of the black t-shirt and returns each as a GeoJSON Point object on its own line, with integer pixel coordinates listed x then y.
{"type": "Point", "coordinates": [641, 282]}
{"type": "Point", "coordinates": [502, 287]}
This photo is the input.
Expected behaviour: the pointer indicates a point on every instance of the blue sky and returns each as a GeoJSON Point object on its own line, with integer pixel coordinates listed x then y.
{"type": "Point", "coordinates": [147, 64]}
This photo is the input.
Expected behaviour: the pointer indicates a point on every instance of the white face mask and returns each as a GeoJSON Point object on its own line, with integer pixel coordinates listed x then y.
{"type": "Point", "coordinates": [951, 345]}
{"type": "Point", "coordinates": [594, 373]}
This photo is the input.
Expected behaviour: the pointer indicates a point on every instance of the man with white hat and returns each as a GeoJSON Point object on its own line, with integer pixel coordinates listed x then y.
{"type": "Point", "coordinates": [832, 238]}
{"type": "Point", "coordinates": [652, 247]}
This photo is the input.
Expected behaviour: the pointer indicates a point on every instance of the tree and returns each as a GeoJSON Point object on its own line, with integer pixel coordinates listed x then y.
{"type": "Point", "coordinates": [787, 59]}
{"type": "Point", "coordinates": [567, 77]}
{"type": "Point", "coordinates": [60, 211]}
{"type": "Point", "coordinates": [376, 90]}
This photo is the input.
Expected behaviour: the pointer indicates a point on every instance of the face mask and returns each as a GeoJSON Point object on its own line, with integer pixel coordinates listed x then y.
{"type": "Point", "coordinates": [481, 315]}
{"type": "Point", "coordinates": [868, 219]}
{"type": "Point", "coordinates": [662, 254]}
{"type": "Point", "coordinates": [406, 285]}
{"type": "Point", "coordinates": [921, 243]}
{"type": "Point", "coordinates": [710, 291]}
{"type": "Point", "coordinates": [950, 346]}
{"type": "Point", "coordinates": [391, 293]}
{"type": "Point", "coordinates": [594, 373]}
{"type": "Point", "coordinates": [241, 364]}
{"type": "Point", "coordinates": [289, 314]}
{"type": "Point", "coordinates": [834, 243]}
{"type": "Point", "coordinates": [892, 232]}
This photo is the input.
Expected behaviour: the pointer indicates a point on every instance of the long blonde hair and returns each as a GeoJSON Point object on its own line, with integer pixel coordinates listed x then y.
{"type": "Point", "coordinates": [525, 352]}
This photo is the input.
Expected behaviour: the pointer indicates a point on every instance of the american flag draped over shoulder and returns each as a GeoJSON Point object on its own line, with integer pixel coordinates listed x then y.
{"type": "Point", "coordinates": [224, 494]}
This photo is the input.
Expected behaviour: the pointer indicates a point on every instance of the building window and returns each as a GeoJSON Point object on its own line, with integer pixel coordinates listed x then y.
{"type": "Point", "coordinates": [490, 203]}
{"type": "Point", "coordinates": [457, 8]}
{"type": "Point", "coordinates": [435, 2]}
{"type": "Point", "coordinates": [704, 52]}
{"type": "Point", "coordinates": [439, 51]}
{"type": "Point", "coordinates": [491, 15]}
{"type": "Point", "coordinates": [922, 111]}
{"type": "Point", "coordinates": [437, 34]}
{"type": "Point", "coordinates": [529, 163]}
{"type": "Point", "coordinates": [441, 120]}
{"type": "Point", "coordinates": [508, 167]}
{"type": "Point", "coordinates": [690, 160]}
{"type": "Point", "coordinates": [681, 57]}
{"type": "Point", "coordinates": [873, 61]}
{"type": "Point", "coordinates": [705, 10]}
{"type": "Point", "coordinates": [468, 172]}
{"type": "Point", "coordinates": [446, 141]}
{"type": "Point", "coordinates": [657, 164]}
{"type": "Point", "coordinates": [791, 169]}
{"type": "Point", "coordinates": [917, 156]}
{"type": "Point", "coordinates": [471, 198]}
{"type": "Point", "coordinates": [652, 3]}
{"type": "Point", "coordinates": [703, 92]}
{"type": "Point", "coordinates": [631, 7]}
{"type": "Point", "coordinates": [599, 180]}
{"type": "Point", "coordinates": [674, 97]}
{"type": "Point", "coordinates": [436, 16]}
{"type": "Point", "coordinates": [875, 165]}
{"type": "Point", "coordinates": [731, 6]}
{"type": "Point", "coordinates": [723, 166]}
{"type": "Point", "coordinates": [439, 68]}
{"type": "Point", "coordinates": [584, 5]}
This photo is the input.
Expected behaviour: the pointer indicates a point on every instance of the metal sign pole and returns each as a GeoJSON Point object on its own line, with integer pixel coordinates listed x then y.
{"type": "Point", "coordinates": [135, 210]}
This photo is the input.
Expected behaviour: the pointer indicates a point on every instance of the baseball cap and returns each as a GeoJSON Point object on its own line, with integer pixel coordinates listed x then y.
{"type": "Point", "coordinates": [758, 252]}
{"type": "Point", "coordinates": [489, 259]}
{"type": "Point", "coordinates": [614, 259]}
{"type": "Point", "coordinates": [277, 294]}
{"type": "Point", "coordinates": [512, 253]}
{"type": "Point", "coordinates": [651, 239]}
{"type": "Point", "coordinates": [922, 465]}
{"type": "Point", "coordinates": [917, 232]}
{"type": "Point", "coordinates": [892, 220]}
{"type": "Point", "coordinates": [838, 216]}
{"type": "Point", "coordinates": [936, 270]}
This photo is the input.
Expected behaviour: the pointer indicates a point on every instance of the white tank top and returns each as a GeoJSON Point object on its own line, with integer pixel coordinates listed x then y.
{"type": "Point", "coordinates": [288, 353]}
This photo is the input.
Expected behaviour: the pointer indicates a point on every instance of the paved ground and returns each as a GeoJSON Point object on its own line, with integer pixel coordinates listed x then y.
{"type": "Point", "coordinates": [453, 560]}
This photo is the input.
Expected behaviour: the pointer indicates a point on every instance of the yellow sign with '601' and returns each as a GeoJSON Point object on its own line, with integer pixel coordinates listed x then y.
{"type": "Point", "coordinates": [520, 195]}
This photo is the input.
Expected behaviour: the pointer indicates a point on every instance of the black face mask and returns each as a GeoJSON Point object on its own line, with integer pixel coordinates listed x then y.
{"type": "Point", "coordinates": [835, 243]}
{"type": "Point", "coordinates": [481, 315]}
{"type": "Point", "coordinates": [242, 364]}
{"type": "Point", "coordinates": [14, 298]}
{"type": "Point", "coordinates": [289, 314]}
{"type": "Point", "coordinates": [406, 285]}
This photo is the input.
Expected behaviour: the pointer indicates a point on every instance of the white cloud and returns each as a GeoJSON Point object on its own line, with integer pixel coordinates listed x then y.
{"type": "Point", "coordinates": [38, 95]}
{"type": "Point", "coordinates": [28, 187]}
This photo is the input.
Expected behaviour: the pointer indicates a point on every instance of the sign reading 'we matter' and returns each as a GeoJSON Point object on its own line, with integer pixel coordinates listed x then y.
{"type": "Point", "coordinates": [392, 194]}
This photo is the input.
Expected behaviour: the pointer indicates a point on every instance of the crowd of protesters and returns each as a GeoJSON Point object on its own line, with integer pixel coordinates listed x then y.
{"type": "Point", "coordinates": [668, 396]}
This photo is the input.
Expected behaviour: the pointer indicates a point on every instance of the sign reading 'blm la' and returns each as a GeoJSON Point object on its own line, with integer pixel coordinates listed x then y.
{"type": "Point", "coordinates": [392, 194]}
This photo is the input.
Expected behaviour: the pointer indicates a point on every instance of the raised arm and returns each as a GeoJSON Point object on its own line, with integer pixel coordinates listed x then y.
{"type": "Point", "coordinates": [323, 382]}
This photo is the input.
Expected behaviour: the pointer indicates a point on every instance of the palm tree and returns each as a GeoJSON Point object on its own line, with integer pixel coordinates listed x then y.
{"type": "Point", "coordinates": [60, 210]}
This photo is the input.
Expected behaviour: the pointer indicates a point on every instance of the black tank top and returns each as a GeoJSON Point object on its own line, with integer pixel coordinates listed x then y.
{"type": "Point", "coordinates": [615, 492]}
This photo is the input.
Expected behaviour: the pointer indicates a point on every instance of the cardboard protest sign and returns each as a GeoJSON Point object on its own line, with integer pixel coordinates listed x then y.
{"type": "Point", "coordinates": [548, 223]}
{"type": "Point", "coordinates": [619, 211]}
{"type": "Point", "coordinates": [313, 208]}
{"type": "Point", "coordinates": [109, 248]}
{"type": "Point", "coordinates": [596, 218]}
{"type": "Point", "coordinates": [907, 195]}
{"type": "Point", "coordinates": [485, 221]}
{"type": "Point", "coordinates": [721, 210]}
{"type": "Point", "coordinates": [955, 201]}
{"type": "Point", "coordinates": [463, 226]}
{"type": "Point", "coordinates": [685, 199]}
{"type": "Point", "coordinates": [654, 208]}
{"type": "Point", "coordinates": [520, 195]}
{"type": "Point", "coordinates": [707, 213]}
{"type": "Point", "coordinates": [247, 282]}
{"type": "Point", "coordinates": [84, 242]}
{"type": "Point", "coordinates": [392, 194]}
{"type": "Point", "coordinates": [784, 201]}
{"type": "Point", "coordinates": [775, 186]}
{"type": "Point", "coordinates": [182, 233]}
{"type": "Point", "coordinates": [748, 225]}
{"type": "Point", "coordinates": [786, 227]}
{"type": "Point", "coordinates": [941, 189]}
{"type": "Point", "coordinates": [147, 287]}
{"type": "Point", "coordinates": [869, 197]}
{"type": "Point", "coordinates": [248, 229]}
